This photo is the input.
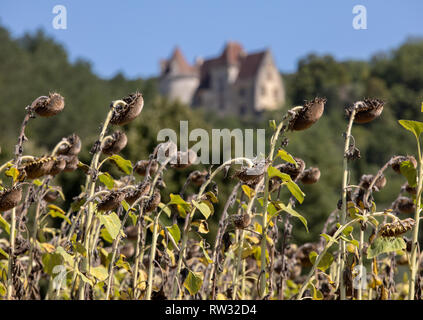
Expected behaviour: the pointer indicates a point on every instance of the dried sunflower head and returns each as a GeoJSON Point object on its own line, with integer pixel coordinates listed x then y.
{"type": "Point", "coordinates": [294, 171]}
{"type": "Point", "coordinates": [241, 221]}
{"type": "Point", "coordinates": [410, 190]}
{"type": "Point", "coordinates": [405, 205]}
{"type": "Point", "coordinates": [51, 195]}
{"type": "Point", "coordinates": [152, 203]}
{"type": "Point", "coordinates": [142, 190]}
{"type": "Point", "coordinates": [310, 176]}
{"type": "Point", "coordinates": [308, 114]}
{"type": "Point", "coordinates": [131, 232]}
{"type": "Point", "coordinates": [396, 162]}
{"type": "Point", "coordinates": [58, 166]}
{"type": "Point", "coordinates": [198, 177]}
{"type": "Point", "coordinates": [123, 114]}
{"type": "Point", "coordinates": [142, 165]}
{"type": "Point", "coordinates": [72, 147]}
{"type": "Point", "coordinates": [366, 110]}
{"type": "Point", "coordinates": [366, 180]}
{"type": "Point", "coordinates": [115, 144]}
{"type": "Point", "coordinates": [184, 159]}
{"type": "Point", "coordinates": [396, 228]}
{"type": "Point", "coordinates": [10, 198]}
{"type": "Point", "coordinates": [71, 163]}
{"type": "Point", "coordinates": [111, 201]}
{"type": "Point", "coordinates": [128, 250]}
{"type": "Point", "coordinates": [303, 252]}
{"type": "Point", "coordinates": [251, 176]}
{"type": "Point", "coordinates": [38, 167]}
{"type": "Point", "coordinates": [48, 106]}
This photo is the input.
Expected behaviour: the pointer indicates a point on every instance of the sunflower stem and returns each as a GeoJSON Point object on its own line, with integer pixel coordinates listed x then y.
{"type": "Point", "coordinates": [413, 259]}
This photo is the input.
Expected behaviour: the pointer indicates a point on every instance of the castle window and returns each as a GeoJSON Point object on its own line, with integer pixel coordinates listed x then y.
{"type": "Point", "coordinates": [243, 109]}
{"type": "Point", "coordinates": [263, 90]}
{"type": "Point", "coordinates": [242, 92]}
{"type": "Point", "coordinates": [276, 94]}
{"type": "Point", "coordinates": [269, 75]}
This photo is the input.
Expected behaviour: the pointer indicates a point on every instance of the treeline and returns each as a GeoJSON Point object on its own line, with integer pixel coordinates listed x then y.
{"type": "Point", "coordinates": [34, 65]}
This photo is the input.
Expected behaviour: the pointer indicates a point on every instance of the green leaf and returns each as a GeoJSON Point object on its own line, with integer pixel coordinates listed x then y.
{"type": "Point", "coordinates": [272, 124]}
{"type": "Point", "coordinates": [385, 245]}
{"type": "Point", "coordinates": [165, 209]}
{"type": "Point", "coordinates": [122, 164]}
{"type": "Point", "coordinates": [4, 254]}
{"type": "Point", "coordinates": [296, 191]}
{"type": "Point", "coordinates": [421, 107]}
{"type": "Point", "coordinates": [273, 172]}
{"type": "Point", "coordinates": [107, 180]}
{"type": "Point", "coordinates": [317, 294]}
{"type": "Point", "coordinates": [328, 238]}
{"type": "Point", "coordinates": [193, 282]}
{"type": "Point", "coordinates": [288, 209]}
{"type": "Point", "coordinates": [407, 170]}
{"type": "Point", "coordinates": [4, 225]}
{"type": "Point", "coordinates": [202, 226]}
{"type": "Point", "coordinates": [50, 260]}
{"type": "Point", "coordinates": [415, 127]}
{"type": "Point", "coordinates": [176, 199]}
{"type": "Point", "coordinates": [355, 243]}
{"type": "Point", "coordinates": [37, 182]}
{"type": "Point", "coordinates": [285, 156]}
{"type": "Point", "coordinates": [56, 212]}
{"type": "Point", "coordinates": [212, 197]}
{"type": "Point", "coordinates": [324, 263]}
{"type": "Point", "coordinates": [292, 186]}
{"type": "Point", "coordinates": [133, 217]}
{"type": "Point", "coordinates": [174, 232]}
{"type": "Point", "coordinates": [248, 191]}
{"type": "Point", "coordinates": [347, 231]}
{"type": "Point", "coordinates": [206, 255]}
{"type": "Point", "coordinates": [203, 207]}
{"type": "Point", "coordinates": [112, 224]}
{"type": "Point", "coordinates": [80, 248]}
{"type": "Point", "coordinates": [99, 272]}
{"type": "Point", "coordinates": [106, 235]}
{"type": "Point", "coordinates": [181, 205]}
{"type": "Point", "coordinates": [13, 173]}
{"type": "Point", "coordinates": [66, 256]}
{"type": "Point", "coordinates": [3, 290]}
{"type": "Point", "coordinates": [125, 205]}
{"type": "Point", "coordinates": [55, 208]}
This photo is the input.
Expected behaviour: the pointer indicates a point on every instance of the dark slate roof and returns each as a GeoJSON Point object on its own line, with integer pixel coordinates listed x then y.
{"type": "Point", "coordinates": [183, 66]}
{"type": "Point", "coordinates": [250, 65]}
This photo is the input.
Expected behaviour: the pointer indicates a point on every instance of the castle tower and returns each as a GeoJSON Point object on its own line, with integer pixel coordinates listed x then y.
{"type": "Point", "coordinates": [178, 79]}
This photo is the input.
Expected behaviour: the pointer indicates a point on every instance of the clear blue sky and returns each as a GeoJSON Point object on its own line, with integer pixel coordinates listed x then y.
{"type": "Point", "coordinates": [131, 36]}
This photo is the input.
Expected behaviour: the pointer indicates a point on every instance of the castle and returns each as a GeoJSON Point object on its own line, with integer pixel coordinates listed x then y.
{"type": "Point", "coordinates": [235, 82]}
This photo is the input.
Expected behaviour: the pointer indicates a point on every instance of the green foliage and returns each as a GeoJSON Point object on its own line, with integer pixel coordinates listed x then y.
{"type": "Point", "coordinates": [415, 127]}
{"type": "Point", "coordinates": [107, 180]}
{"type": "Point", "coordinates": [193, 282]}
{"type": "Point", "coordinates": [385, 245]}
{"type": "Point", "coordinates": [324, 263]}
{"type": "Point", "coordinates": [112, 224]}
{"type": "Point", "coordinates": [407, 170]}
{"type": "Point", "coordinates": [123, 164]}
{"type": "Point", "coordinates": [291, 185]}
